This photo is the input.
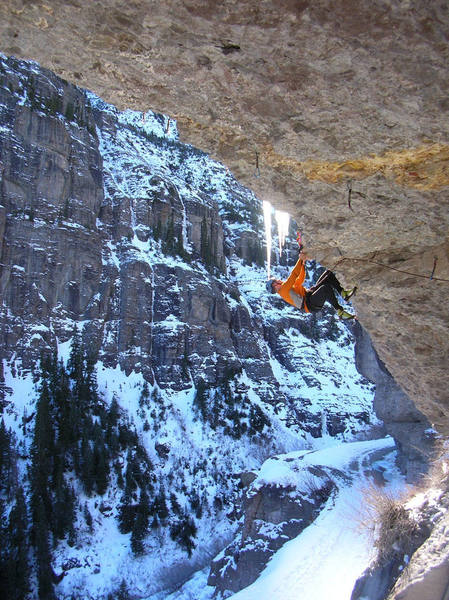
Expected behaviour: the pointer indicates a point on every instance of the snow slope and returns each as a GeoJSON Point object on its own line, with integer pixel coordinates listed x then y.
{"type": "Point", "coordinates": [326, 559]}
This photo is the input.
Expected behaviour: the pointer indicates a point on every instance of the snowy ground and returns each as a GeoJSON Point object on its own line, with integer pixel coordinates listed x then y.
{"type": "Point", "coordinates": [326, 559]}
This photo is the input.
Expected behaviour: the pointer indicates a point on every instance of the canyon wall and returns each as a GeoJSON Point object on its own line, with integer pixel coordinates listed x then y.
{"type": "Point", "coordinates": [334, 111]}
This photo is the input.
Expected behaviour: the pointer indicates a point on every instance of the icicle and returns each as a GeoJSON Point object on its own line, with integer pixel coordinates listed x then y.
{"type": "Point", "coordinates": [267, 220]}
{"type": "Point", "coordinates": [283, 223]}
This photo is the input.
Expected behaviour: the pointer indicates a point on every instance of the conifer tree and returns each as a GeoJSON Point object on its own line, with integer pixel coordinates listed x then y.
{"type": "Point", "coordinates": [7, 455]}
{"type": "Point", "coordinates": [18, 570]}
{"type": "Point", "coordinates": [160, 505]}
{"type": "Point", "coordinates": [43, 554]}
{"type": "Point", "coordinates": [86, 474]}
{"type": "Point", "coordinates": [75, 362]}
{"type": "Point", "coordinates": [183, 531]}
{"type": "Point", "coordinates": [100, 467]}
{"type": "Point", "coordinates": [144, 395]}
{"type": "Point", "coordinates": [137, 535]}
{"type": "Point", "coordinates": [5, 546]}
{"type": "Point", "coordinates": [123, 593]}
{"type": "Point", "coordinates": [90, 377]}
{"type": "Point", "coordinates": [63, 406]}
{"type": "Point", "coordinates": [200, 399]}
{"type": "Point", "coordinates": [130, 482]}
{"type": "Point", "coordinates": [42, 453]}
{"type": "Point", "coordinates": [88, 518]}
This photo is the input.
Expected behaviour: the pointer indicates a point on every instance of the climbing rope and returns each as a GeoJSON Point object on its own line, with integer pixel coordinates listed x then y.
{"type": "Point", "coordinates": [375, 262]}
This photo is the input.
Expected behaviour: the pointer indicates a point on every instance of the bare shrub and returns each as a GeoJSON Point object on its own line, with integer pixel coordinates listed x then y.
{"type": "Point", "coordinates": [319, 489]}
{"type": "Point", "coordinates": [394, 528]}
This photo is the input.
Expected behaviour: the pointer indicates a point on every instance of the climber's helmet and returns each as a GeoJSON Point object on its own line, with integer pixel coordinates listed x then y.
{"type": "Point", "coordinates": [269, 286]}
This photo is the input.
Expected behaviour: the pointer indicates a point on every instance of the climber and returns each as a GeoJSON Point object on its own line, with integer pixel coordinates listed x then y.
{"type": "Point", "coordinates": [311, 299]}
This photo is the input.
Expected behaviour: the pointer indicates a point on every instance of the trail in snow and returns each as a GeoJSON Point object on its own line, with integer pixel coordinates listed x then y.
{"type": "Point", "coordinates": [326, 559]}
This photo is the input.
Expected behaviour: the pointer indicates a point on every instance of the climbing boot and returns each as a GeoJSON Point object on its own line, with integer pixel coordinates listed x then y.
{"type": "Point", "coordinates": [343, 314]}
{"type": "Point", "coordinates": [346, 294]}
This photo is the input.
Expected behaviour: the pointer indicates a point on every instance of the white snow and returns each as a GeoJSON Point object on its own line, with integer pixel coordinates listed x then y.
{"type": "Point", "coordinates": [325, 560]}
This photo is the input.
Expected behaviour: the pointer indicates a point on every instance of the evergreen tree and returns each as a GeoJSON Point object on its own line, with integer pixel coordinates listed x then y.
{"type": "Point", "coordinates": [43, 554]}
{"type": "Point", "coordinates": [137, 535]}
{"type": "Point", "coordinates": [131, 470]}
{"type": "Point", "coordinates": [75, 362]}
{"type": "Point", "coordinates": [126, 515]}
{"type": "Point", "coordinates": [5, 583]}
{"type": "Point", "coordinates": [70, 501]}
{"type": "Point", "coordinates": [90, 378]}
{"type": "Point", "coordinates": [144, 509]}
{"type": "Point", "coordinates": [86, 473]}
{"type": "Point", "coordinates": [144, 395]}
{"type": "Point", "coordinates": [18, 569]}
{"type": "Point", "coordinates": [100, 467]}
{"type": "Point", "coordinates": [175, 506]}
{"type": "Point", "coordinates": [123, 593]}
{"type": "Point", "coordinates": [88, 518]}
{"type": "Point", "coordinates": [183, 531]}
{"type": "Point", "coordinates": [257, 419]}
{"type": "Point", "coordinates": [7, 461]}
{"type": "Point", "coordinates": [42, 453]}
{"type": "Point", "coordinates": [200, 399]}
{"type": "Point", "coordinates": [160, 505]}
{"type": "Point", "coordinates": [65, 413]}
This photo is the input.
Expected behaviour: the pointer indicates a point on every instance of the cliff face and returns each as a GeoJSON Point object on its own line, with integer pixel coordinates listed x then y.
{"type": "Point", "coordinates": [303, 101]}
{"type": "Point", "coordinates": [153, 251]}
{"type": "Point", "coordinates": [109, 221]}
{"type": "Point", "coordinates": [412, 432]}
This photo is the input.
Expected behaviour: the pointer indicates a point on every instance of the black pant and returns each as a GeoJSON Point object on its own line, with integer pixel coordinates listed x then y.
{"type": "Point", "coordinates": [324, 291]}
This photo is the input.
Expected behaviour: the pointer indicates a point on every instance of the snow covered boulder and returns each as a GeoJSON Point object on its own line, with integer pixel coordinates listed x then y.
{"type": "Point", "coordinates": [283, 500]}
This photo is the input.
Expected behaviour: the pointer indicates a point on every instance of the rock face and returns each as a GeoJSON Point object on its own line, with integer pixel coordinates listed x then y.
{"type": "Point", "coordinates": [273, 515]}
{"type": "Point", "coordinates": [427, 576]}
{"type": "Point", "coordinates": [108, 220]}
{"type": "Point", "coordinates": [320, 107]}
{"type": "Point", "coordinates": [417, 566]}
{"type": "Point", "coordinates": [410, 429]}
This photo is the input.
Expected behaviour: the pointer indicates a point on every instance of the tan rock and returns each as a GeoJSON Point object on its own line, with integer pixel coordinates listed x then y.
{"type": "Point", "coordinates": [303, 101]}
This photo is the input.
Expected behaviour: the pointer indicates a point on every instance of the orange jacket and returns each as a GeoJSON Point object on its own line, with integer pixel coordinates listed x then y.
{"type": "Point", "coordinates": [295, 283]}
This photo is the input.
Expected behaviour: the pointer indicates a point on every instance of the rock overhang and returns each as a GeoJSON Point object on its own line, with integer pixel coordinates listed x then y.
{"type": "Point", "coordinates": [334, 111]}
